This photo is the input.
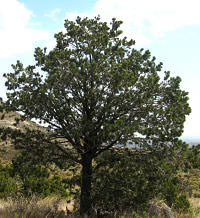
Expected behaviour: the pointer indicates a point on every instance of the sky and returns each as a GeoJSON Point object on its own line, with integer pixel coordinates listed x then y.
{"type": "Point", "coordinates": [169, 29]}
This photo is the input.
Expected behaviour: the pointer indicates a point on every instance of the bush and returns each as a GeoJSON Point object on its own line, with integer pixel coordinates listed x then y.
{"type": "Point", "coordinates": [39, 182]}
{"type": "Point", "coordinates": [28, 181]}
{"type": "Point", "coordinates": [122, 182]}
{"type": "Point", "coordinates": [8, 184]}
{"type": "Point", "coordinates": [173, 194]}
{"type": "Point", "coordinates": [182, 203]}
{"type": "Point", "coordinates": [126, 180]}
{"type": "Point", "coordinates": [192, 157]}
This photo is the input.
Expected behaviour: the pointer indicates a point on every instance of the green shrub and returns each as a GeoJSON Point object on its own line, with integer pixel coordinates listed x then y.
{"type": "Point", "coordinates": [122, 182]}
{"type": "Point", "coordinates": [8, 184]}
{"type": "Point", "coordinates": [193, 157]}
{"type": "Point", "coordinates": [182, 203]}
{"type": "Point", "coordinates": [28, 181]}
{"type": "Point", "coordinates": [125, 180]}
{"type": "Point", "coordinates": [173, 195]}
{"type": "Point", "coordinates": [38, 181]}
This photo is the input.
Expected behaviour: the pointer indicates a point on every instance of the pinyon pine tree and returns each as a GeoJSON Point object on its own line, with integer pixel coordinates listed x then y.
{"type": "Point", "coordinates": [93, 90]}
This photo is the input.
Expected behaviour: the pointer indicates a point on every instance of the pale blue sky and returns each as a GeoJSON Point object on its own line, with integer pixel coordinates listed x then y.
{"type": "Point", "coordinates": [169, 29]}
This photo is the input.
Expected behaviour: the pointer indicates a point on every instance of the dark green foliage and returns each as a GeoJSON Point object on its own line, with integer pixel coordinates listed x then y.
{"type": "Point", "coordinates": [30, 180]}
{"type": "Point", "coordinates": [129, 179]}
{"type": "Point", "coordinates": [182, 203]}
{"type": "Point", "coordinates": [121, 182]}
{"type": "Point", "coordinates": [99, 90]}
{"type": "Point", "coordinates": [171, 191]}
{"type": "Point", "coordinates": [37, 180]}
{"type": "Point", "coordinates": [40, 183]}
{"type": "Point", "coordinates": [8, 185]}
{"type": "Point", "coordinates": [193, 157]}
{"type": "Point", "coordinates": [189, 156]}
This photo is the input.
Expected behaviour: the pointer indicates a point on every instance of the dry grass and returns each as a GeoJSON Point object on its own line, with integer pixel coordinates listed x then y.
{"type": "Point", "coordinates": [33, 207]}
{"type": "Point", "coordinates": [195, 207]}
{"type": "Point", "coordinates": [55, 207]}
{"type": "Point", "coordinates": [193, 212]}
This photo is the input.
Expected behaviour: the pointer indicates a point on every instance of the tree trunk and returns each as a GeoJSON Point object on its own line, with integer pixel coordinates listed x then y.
{"type": "Point", "coordinates": [86, 176]}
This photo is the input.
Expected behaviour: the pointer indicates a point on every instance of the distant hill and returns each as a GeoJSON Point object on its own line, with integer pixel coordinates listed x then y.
{"type": "Point", "coordinates": [9, 121]}
{"type": "Point", "coordinates": [7, 150]}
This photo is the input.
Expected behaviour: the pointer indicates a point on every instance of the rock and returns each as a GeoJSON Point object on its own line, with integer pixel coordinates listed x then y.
{"type": "Point", "coordinates": [160, 209]}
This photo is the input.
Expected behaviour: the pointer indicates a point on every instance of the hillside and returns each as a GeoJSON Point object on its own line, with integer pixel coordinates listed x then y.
{"type": "Point", "coordinates": [7, 150]}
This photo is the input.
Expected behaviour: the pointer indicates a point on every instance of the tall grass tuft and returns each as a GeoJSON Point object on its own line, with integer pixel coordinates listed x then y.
{"type": "Point", "coordinates": [32, 207]}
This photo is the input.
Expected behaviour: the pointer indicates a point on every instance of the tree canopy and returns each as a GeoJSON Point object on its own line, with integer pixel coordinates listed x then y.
{"type": "Point", "coordinates": [94, 89]}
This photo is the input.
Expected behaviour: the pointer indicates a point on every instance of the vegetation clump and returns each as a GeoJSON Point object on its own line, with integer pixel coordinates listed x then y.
{"type": "Point", "coordinates": [33, 181]}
